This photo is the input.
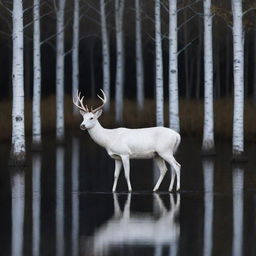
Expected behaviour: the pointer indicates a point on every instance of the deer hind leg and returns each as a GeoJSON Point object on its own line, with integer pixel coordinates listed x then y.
{"type": "Point", "coordinates": [162, 167]}
{"type": "Point", "coordinates": [118, 166]}
{"type": "Point", "coordinates": [169, 158]}
{"type": "Point", "coordinates": [126, 164]}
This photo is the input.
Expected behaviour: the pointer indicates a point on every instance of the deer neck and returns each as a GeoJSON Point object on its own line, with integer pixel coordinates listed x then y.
{"type": "Point", "coordinates": [99, 134]}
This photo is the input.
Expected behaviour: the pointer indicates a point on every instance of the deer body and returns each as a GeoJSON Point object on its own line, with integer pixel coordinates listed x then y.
{"type": "Point", "coordinates": [123, 144]}
{"type": "Point", "coordinates": [144, 143]}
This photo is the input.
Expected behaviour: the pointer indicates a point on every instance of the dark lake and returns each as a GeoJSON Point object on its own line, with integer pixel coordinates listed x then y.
{"type": "Point", "coordinates": [61, 204]}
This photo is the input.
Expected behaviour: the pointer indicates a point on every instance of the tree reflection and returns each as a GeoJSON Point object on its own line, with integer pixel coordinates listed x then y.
{"type": "Point", "coordinates": [36, 202]}
{"type": "Point", "coordinates": [18, 204]}
{"type": "Point", "coordinates": [208, 170]}
{"type": "Point", "coordinates": [75, 197]}
{"type": "Point", "coordinates": [238, 205]}
{"type": "Point", "coordinates": [60, 201]}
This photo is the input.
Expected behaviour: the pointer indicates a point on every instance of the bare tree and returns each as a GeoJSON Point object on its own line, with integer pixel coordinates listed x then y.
{"type": "Point", "coordinates": [208, 133]}
{"type": "Point", "coordinates": [60, 133]}
{"type": "Point", "coordinates": [75, 52]}
{"type": "Point", "coordinates": [105, 52]}
{"type": "Point", "coordinates": [238, 65]}
{"type": "Point", "coordinates": [119, 13]}
{"type": "Point", "coordinates": [159, 66]}
{"type": "Point", "coordinates": [36, 105]}
{"type": "Point", "coordinates": [173, 68]}
{"type": "Point", "coordinates": [139, 58]}
{"type": "Point", "coordinates": [18, 122]}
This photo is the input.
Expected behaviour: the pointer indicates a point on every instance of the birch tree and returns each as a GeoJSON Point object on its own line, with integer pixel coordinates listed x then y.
{"type": "Point", "coordinates": [159, 66]}
{"type": "Point", "coordinates": [60, 7]}
{"type": "Point", "coordinates": [238, 66]}
{"type": "Point", "coordinates": [174, 121]}
{"type": "Point", "coordinates": [119, 13]}
{"type": "Point", "coordinates": [36, 105]}
{"type": "Point", "coordinates": [139, 58]}
{"type": "Point", "coordinates": [75, 52]}
{"type": "Point", "coordinates": [105, 52]}
{"type": "Point", "coordinates": [208, 131]}
{"type": "Point", "coordinates": [18, 127]}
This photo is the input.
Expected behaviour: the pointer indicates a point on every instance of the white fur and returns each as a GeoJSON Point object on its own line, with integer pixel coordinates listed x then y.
{"type": "Point", "coordinates": [123, 144]}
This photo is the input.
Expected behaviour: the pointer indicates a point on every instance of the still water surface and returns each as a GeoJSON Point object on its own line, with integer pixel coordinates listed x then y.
{"type": "Point", "coordinates": [61, 204]}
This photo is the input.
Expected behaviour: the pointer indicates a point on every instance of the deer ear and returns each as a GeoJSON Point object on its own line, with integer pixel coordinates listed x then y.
{"type": "Point", "coordinates": [82, 112]}
{"type": "Point", "coordinates": [98, 113]}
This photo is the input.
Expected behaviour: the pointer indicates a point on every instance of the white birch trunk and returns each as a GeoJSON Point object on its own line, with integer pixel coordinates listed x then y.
{"type": "Point", "coordinates": [18, 206]}
{"type": "Point", "coordinates": [174, 121]}
{"type": "Point", "coordinates": [238, 65]}
{"type": "Point", "coordinates": [238, 209]}
{"type": "Point", "coordinates": [139, 58]}
{"type": "Point", "coordinates": [105, 53]}
{"type": "Point", "coordinates": [75, 53]}
{"type": "Point", "coordinates": [18, 126]}
{"type": "Point", "coordinates": [60, 72]}
{"type": "Point", "coordinates": [36, 203]}
{"type": "Point", "coordinates": [36, 112]}
{"type": "Point", "coordinates": [119, 13]}
{"type": "Point", "coordinates": [208, 133]}
{"type": "Point", "coordinates": [159, 66]}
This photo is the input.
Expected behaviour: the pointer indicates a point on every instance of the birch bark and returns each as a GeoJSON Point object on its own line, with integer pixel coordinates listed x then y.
{"type": "Point", "coordinates": [238, 66]}
{"type": "Point", "coordinates": [60, 72]}
{"type": "Point", "coordinates": [75, 53]}
{"type": "Point", "coordinates": [119, 12]}
{"type": "Point", "coordinates": [18, 127]}
{"type": "Point", "coordinates": [36, 105]}
{"type": "Point", "coordinates": [208, 133]}
{"type": "Point", "coordinates": [105, 53]}
{"type": "Point", "coordinates": [159, 66]}
{"type": "Point", "coordinates": [174, 121]}
{"type": "Point", "coordinates": [139, 58]}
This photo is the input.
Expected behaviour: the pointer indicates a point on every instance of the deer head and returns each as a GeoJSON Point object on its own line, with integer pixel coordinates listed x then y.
{"type": "Point", "coordinates": [89, 116]}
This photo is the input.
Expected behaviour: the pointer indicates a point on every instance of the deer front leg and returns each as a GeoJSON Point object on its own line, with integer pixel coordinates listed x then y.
{"type": "Point", "coordinates": [118, 165]}
{"type": "Point", "coordinates": [126, 164]}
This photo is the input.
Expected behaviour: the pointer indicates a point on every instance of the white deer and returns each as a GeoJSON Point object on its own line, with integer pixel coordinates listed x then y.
{"type": "Point", "coordinates": [123, 144]}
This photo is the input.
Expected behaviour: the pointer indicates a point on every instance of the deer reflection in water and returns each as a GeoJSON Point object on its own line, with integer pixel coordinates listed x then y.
{"type": "Point", "coordinates": [125, 228]}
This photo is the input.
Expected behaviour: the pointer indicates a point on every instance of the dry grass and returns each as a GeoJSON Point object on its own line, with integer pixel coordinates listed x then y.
{"type": "Point", "coordinates": [191, 115]}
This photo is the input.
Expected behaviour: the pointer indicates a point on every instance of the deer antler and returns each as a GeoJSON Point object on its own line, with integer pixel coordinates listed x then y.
{"type": "Point", "coordinates": [104, 100]}
{"type": "Point", "coordinates": [80, 101]}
